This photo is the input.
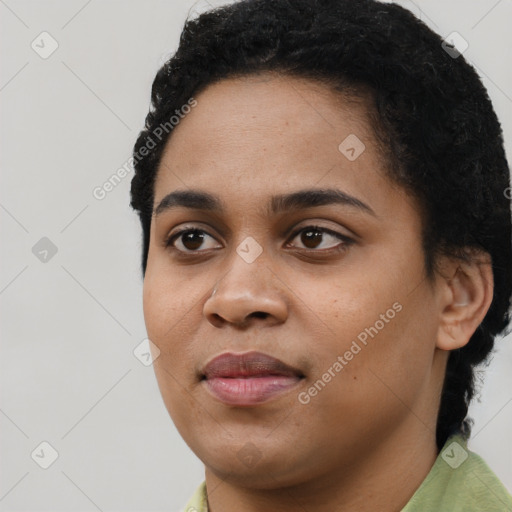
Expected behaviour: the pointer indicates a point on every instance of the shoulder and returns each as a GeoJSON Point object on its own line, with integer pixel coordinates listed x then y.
{"type": "Point", "coordinates": [460, 481]}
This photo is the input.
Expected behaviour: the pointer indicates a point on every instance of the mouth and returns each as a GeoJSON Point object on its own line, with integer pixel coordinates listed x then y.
{"type": "Point", "coordinates": [248, 379]}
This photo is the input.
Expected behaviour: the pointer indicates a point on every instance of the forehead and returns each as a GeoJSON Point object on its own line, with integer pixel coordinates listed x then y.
{"type": "Point", "coordinates": [252, 137]}
{"type": "Point", "coordinates": [254, 109]}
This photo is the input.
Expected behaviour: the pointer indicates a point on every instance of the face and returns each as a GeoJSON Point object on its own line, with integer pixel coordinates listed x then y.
{"type": "Point", "coordinates": [319, 340]}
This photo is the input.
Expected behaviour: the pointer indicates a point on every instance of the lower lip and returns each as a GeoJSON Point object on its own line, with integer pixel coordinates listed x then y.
{"type": "Point", "coordinates": [249, 391]}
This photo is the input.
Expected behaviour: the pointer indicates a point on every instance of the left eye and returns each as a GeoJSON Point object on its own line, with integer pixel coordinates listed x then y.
{"type": "Point", "coordinates": [312, 236]}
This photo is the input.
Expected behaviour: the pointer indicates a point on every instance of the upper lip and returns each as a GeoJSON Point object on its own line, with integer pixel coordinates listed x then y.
{"type": "Point", "coordinates": [248, 364]}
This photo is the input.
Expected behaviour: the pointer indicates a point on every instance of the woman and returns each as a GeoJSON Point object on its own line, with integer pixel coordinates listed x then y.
{"type": "Point", "coordinates": [322, 188]}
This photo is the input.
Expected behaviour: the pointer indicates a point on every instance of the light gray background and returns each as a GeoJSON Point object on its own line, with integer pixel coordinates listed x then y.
{"type": "Point", "coordinates": [69, 326]}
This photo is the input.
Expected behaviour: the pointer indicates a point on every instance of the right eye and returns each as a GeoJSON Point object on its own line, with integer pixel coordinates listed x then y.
{"type": "Point", "coordinates": [190, 240]}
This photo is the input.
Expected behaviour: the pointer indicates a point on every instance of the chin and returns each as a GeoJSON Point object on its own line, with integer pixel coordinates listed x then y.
{"type": "Point", "coordinates": [248, 466]}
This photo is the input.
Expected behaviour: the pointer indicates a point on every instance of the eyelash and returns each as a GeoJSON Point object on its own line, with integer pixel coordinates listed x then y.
{"type": "Point", "coordinates": [169, 241]}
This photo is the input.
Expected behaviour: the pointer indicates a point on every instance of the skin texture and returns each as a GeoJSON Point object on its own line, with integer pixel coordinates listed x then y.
{"type": "Point", "coordinates": [373, 424]}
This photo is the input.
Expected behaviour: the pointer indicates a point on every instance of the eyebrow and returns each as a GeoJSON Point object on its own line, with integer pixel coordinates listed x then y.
{"type": "Point", "coordinates": [308, 198]}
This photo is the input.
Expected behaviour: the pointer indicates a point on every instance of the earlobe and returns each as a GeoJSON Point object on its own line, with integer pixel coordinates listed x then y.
{"type": "Point", "coordinates": [467, 296]}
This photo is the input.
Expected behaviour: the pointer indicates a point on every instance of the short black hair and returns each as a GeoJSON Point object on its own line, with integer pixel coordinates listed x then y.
{"type": "Point", "coordinates": [432, 114]}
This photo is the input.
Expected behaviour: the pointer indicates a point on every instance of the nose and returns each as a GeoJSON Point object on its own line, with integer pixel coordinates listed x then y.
{"type": "Point", "coordinates": [250, 293]}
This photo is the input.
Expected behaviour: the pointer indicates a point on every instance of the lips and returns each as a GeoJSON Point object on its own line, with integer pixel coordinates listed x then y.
{"type": "Point", "coordinates": [250, 364]}
{"type": "Point", "coordinates": [249, 378]}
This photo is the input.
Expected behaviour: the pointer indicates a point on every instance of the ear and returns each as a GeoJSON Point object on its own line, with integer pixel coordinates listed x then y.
{"type": "Point", "coordinates": [466, 295]}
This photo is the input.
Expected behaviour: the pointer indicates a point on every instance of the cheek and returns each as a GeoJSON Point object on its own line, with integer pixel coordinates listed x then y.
{"type": "Point", "coordinates": [165, 303]}
{"type": "Point", "coordinates": [165, 317]}
{"type": "Point", "coordinates": [170, 314]}
{"type": "Point", "coordinates": [156, 307]}
{"type": "Point", "coordinates": [395, 362]}
{"type": "Point", "coordinates": [414, 336]}
{"type": "Point", "coordinates": [378, 325]}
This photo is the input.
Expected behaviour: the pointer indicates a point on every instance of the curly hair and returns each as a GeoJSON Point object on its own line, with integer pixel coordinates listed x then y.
{"type": "Point", "coordinates": [430, 113]}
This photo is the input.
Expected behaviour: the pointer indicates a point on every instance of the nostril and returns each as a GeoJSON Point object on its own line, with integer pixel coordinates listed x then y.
{"type": "Point", "coordinates": [259, 314]}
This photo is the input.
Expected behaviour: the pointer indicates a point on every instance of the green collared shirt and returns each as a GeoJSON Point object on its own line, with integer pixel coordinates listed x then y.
{"type": "Point", "coordinates": [459, 481]}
